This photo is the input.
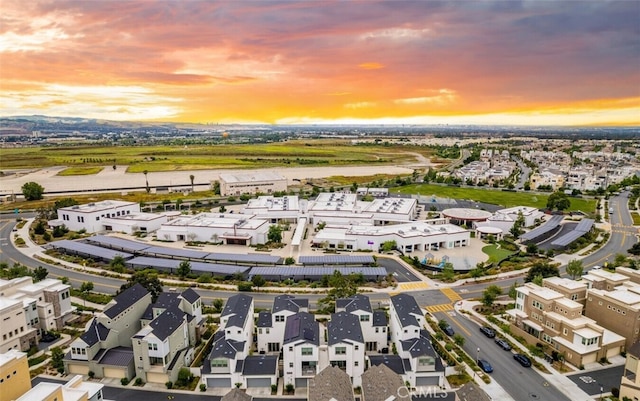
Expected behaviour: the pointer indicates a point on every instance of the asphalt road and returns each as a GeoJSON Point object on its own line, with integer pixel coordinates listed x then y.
{"type": "Point", "coordinates": [521, 383]}
{"type": "Point", "coordinates": [591, 382]}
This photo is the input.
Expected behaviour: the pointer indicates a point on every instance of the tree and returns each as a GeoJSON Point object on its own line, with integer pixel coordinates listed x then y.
{"type": "Point", "coordinates": [459, 340]}
{"type": "Point", "coordinates": [85, 289]}
{"type": "Point", "coordinates": [146, 278]}
{"type": "Point", "coordinates": [184, 268]}
{"type": "Point", "coordinates": [574, 268]}
{"type": "Point", "coordinates": [146, 180]}
{"type": "Point", "coordinates": [258, 281]}
{"type": "Point", "coordinates": [65, 202]}
{"type": "Point", "coordinates": [619, 260]}
{"type": "Point", "coordinates": [217, 305]}
{"type": "Point", "coordinates": [60, 231]}
{"type": "Point", "coordinates": [57, 359]}
{"type": "Point", "coordinates": [447, 272]}
{"type": "Point", "coordinates": [635, 249]}
{"type": "Point", "coordinates": [558, 200]}
{"type": "Point", "coordinates": [443, 324]}
{"type": "Point", "coordinates": [184, 377]}
{"type": "Point", "coordinates": [490, 294]}
{"type": "Point", "coordinates": [513, 292]}
{"type": "Point", "coordinates": [39, 228]}
{"type": "Point", "coordinates": [516, 229]}
{"type": "Point", "coordinates": [32, 191]}
{"type": "Point", "coordinates": [192, 177]}
{"type": "Point", "coordinates": [542, 269]}
{"type": "Point", "coordinates": [341, 287]}
{"type": "Point", "coordinates": [389, 246]}
{"type": "Point", "coordinates": [117, 264]}
{"type": "Point", "coordinates": [537, 279]}
{"type": "Point", "coordinates": [289, 261]}
{"type": "Point", "coordinates": [39, 273]}
{"type": "Point", "coordinates": [275, 234]}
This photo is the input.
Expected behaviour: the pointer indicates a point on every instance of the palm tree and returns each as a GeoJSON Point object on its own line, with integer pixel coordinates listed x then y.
{"type": "Point", "coordinates": [145, 172]}
{"type": "Point", "coordinates": [192, 177]}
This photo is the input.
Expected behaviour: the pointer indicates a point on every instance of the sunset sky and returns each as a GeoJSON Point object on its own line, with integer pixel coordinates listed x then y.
{"type": "Point", "coordinates": [285, 62]}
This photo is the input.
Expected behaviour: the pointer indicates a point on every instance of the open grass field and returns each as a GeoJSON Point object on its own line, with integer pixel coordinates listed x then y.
{"type": "Point", "coordinates": [496, 254]}
{"type": "Point", "coordinates": [493, 196]}
{"type": "Point", "coordinates": [80, 171]}
{"type": "Point", "coordinates": [193, 157]}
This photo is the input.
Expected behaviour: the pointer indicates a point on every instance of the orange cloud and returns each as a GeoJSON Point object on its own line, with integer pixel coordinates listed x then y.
{"type": "Point", "coordinates": [370, 66]}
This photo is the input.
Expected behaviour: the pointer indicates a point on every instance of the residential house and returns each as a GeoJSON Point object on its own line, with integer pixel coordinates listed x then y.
{"type": "Point", "coordinates": [14, 372]}
{"type": "Point", "coordinates": [271, 325]}
{"type": "Point", "coordinates": [548, 177]}
{"type": "Point", "coordinates": [236, 394]}
{"type": "Point", "coordinates": [346, 345]}
{"type": "Point", "coordinates": [572, 289]}
{"type": "Point", "coordinates": [630, 381]}
{"type": "Point", "coordinates": [170, 330]}
{"type": "Point", "coordinates": [379, 383]}
{"type": "Point", "coordinates": [471, 392]}
{"type": "Point", "coordinates": [74, 390]}
{"type": "Point", "coordinates": [331, 384]}
{"type": "Point", "coordinates": [301, 349]}
{"type": "Point", "coordinates": [15, 330]}
{"type": "Point", "coordinates": [617, 309]}
{"type": "Point", "coordinates": [406, 318]}
{"type": "Point", "coordinates": [542, 315]}
{"type": "Point", "coordinates": [372, 323]}
{"type": "Point", "coordinates": [105, 347]}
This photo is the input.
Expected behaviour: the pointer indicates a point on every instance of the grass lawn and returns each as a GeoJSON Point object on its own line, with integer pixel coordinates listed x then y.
{"type": "Point", "coordinates": [496, 254]}
{"type": "Point", "coordinates": [493, 196]}
{"type": "Point", "coordinates": [636, 218]}
{"type": "Point", "coordinates": [78, 170]}
{"type": "Point", "coordinates": [227, 155]}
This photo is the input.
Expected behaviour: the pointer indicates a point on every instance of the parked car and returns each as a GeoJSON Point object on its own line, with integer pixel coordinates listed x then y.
{"type": "Point", "coordinates": [503, 344]}
{"type": "Point", "coordinates": [487, 331]}
{"type": "Point", "coordinates": [449, 331]}
{"type": "Point", "coordinates": [523, 360]}
{"type": "Point", "coordinates": [48, 337]}
{"type": "Point", "coordinates": [485, 366]}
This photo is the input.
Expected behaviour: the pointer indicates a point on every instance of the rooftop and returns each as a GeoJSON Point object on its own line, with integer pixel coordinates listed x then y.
{"type": "Point", "coordinates": [237, 308]}
{"type": "Point", "coordinates": [97, 206]}
{"type": "Point", "coordinates": [251, 177]}
{"type": "Point", "coordinates": [331, 384]}
{"type": "Point", "coordinates": [302, 327]}
{"type": "Point", "coordinates": [407, 309]}
{"type": "Point", "coordinates": [126, 299]}
{"type": "Point", "coordinates": [379, 383]}
{"type": "Point", "coordinates": [344, 327]}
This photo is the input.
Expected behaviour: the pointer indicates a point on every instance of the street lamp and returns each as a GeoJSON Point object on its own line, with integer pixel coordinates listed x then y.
{"type": "Point", "coordinates": [601, 391]}
{"type": "Point", "coordinates": [477, 358]}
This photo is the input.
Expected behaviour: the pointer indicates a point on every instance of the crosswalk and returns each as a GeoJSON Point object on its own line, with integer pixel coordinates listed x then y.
{"type": "Point", "coordinates": [439, 308]}
{"type": "Point", "coordinates": [410, 286]}
{"type": "Point", "coordinates": [451, 294]}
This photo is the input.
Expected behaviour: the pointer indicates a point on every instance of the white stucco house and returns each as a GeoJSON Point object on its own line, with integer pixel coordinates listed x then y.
{"type": "Point", "coordinates": [271, 325]}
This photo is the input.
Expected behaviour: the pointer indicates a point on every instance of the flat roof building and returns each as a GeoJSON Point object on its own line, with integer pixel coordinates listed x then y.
{"type": "Point", "coordinates": [251, 183]}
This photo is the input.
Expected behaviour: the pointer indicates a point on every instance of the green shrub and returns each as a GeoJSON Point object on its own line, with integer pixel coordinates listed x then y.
{"type": "Point", "coordinates": [124, 381]}
{"type": "Point", "coordinates": [138, 381]}
{"type": "Point", "coordinates": [169, 385]}
{"type": "Point", "coordinates": [203, 387]}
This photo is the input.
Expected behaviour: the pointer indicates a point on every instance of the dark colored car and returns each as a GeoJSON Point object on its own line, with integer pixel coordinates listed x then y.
{"type": "Point", "coordinates": [449, 331]}
{"type": "Point", "coordinates": [48, 337]}
{"type": "Point", "coordinates": [485, 366]}
{"type": "Point", "coordinates": [503, 344]}
{"type": "Point", "coordinates": [487, 331]}
{"type": "Point", "coordinates": [523, 360]}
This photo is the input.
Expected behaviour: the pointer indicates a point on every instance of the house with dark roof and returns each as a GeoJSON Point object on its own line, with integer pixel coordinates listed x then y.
{"type": "Point", "coordinates": [346, 345]}
{"type": "Point", "coordinates": [229, 361]}
{"type": "Point", "coordinates": [170, 330]}
{"type": "Point", "coordinates": [301, 349]}
{"type": "Point", "coordinates": [380, 383]}
{"type": "Point", "coordinates": [373, 323]}
{"type": "Point", "coordinates": [270, 325]}
{"type": "Point", "coordinates": [105, 347]}
{"type": "Point", "coordinates": [406, 318]}
{"type": "Point", "coordinates": [332, 384]}
{"type": "Point", "coordinates": [236, 395]}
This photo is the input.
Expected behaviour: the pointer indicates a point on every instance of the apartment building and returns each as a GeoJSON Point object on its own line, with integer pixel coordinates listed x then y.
{"type": "Point", "coordinates": [14, 372]}
{"type": "Point", "coordinates": [271, 325]}
{"type": "Point", "coordinates": [15, 330]}
{"type": "Point", "coordinates": [105, 347]}
{"type": "Point", "coordinates": [547, 177]}
{"type": "Point", "coordinates": [545, 315]}
{"type": "Point", "coordinates": [346, 345]}
{"type": "Point", "coordinates": [618, 310]}
{"type": "Point", "coordinates": [170, 330]}
{"type": "Point", "coordinates": [301, 349]}
{"type": "Point", "coordinates": [47, 303]}
{"type": "Point", "coordinates": [373, 323]}
{"type": "Point", "coordinates": [630, 381]}
{"type": "Point", "coordinates": [571, 289]}
{"type": "Point", "coordinates": [74, 390]}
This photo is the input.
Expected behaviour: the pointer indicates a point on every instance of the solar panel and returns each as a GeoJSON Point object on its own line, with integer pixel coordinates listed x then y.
{"type": "Point", "coordinates": [174, 252]}
{"type": "Point", "coordinates": [543, 229]}
{"type": "Point", "coordinates": [336, 259]}
{"type": "Point", "coordinates": [246, 258]}
{"type": "Point", "coordinates": [568, 238]}
{"type": "Point", "coordinates": [117, 243]}
{"type": "Point", "coordinates": [585, 225]}
{"type": "Point", "coordinates": [89, 250]}
{"type": "Point", "coordinates": [168, 264]}
{"type": "Point", "coordinates": [315, 272]}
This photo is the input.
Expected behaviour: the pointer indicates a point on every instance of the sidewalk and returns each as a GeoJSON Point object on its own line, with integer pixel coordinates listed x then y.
{"type": "Point", "coordinates": [558, 380]}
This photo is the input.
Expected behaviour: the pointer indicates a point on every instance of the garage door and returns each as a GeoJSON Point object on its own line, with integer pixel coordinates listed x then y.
{"type": "Point", "coordinates": [114, 373]}
{"type": "Point", "coordinates": [427, 381]}
{"type": "Point", "coordinates": [219, 382]}
{"type": "Point", "coordinates": [613, 352]}
{"type": "Point", "coordinates": [78, 369]}
{"type": "Point", "coordinates": [156, 377]}
{"type": "Point", "coordinates": [301, 383]}
{"type": "Point", "coordinates": [259, 382]}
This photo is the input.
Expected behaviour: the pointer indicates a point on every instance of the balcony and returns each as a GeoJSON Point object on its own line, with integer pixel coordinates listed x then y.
{"type": "Point", "coordinates": [308, 369]}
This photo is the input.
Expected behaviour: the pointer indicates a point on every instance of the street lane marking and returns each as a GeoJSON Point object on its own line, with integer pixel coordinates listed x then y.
{"type": "Point", "coordinates": [460, 327]}
{"type": "Point", "coordinates": [412, 286]}
{"type": "Point", "coordinates": [451, 294]}
{"type": "Point", "coordinates": [439, 308]}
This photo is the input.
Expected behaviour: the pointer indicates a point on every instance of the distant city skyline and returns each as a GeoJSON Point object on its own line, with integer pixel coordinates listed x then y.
{"type": "Point", "coordinates": [322, 62]}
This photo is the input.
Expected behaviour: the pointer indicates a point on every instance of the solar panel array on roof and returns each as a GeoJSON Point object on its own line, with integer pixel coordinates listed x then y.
{"type": "Point", "coordinates": [314, 272]}
{"type": "Point", "coordinates": [550, 225]}
{"type": "Point", "coordinates": [177, 253]}
{"type": "Point", "coordinates": [248, 258]}
{"type": "Point", "coordinates": [581, 229]}
{"type": "Point", "coordinates": [117, 243]}
{"type": "Point", "coordinates": [89, 250]}
{"type": "Point", "coordinates": [336, 259]}
{"type": "Point", "coordinates": [171, 264]}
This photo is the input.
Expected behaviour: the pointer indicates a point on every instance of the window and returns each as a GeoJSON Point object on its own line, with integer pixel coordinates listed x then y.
{"type": "Point", "coordinates": [426, 361]}
{"type": "Point", "coordinates": [357, 347]}
{"type": "Point", "coordinates": [355, 363]}
{"type": "Point", "coordinates": [259, 331]}
{"type": "Point", "coordinates": [290, 348]}
{"type": "Point", "coordinates": [364, 318]}
{"type": "Point", "coordinates": [219, 363]}
{"type": "Point", "coordinates": [290, 364]}
{"type": "Point", "coordinates": [547, 338]}
{"type": "Point", "coordinates": [589, 341]}
{"type": "Point", "coordinates": [279, 318]}
{"type": "Point", "coordinates": [377, 329]}
{"type": "Point", "coordinates": [565, 331]}
{"type": "Point", "coordinates": [307, 351]}
{"type": "Point", "coordinates": [537, 304]}
{"type": "Point", "coordinates": [267, 331]}
{"type": "Point", "coordinates": [574, 297]}
{"type": "Point", "coordinates": [341, 350]}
